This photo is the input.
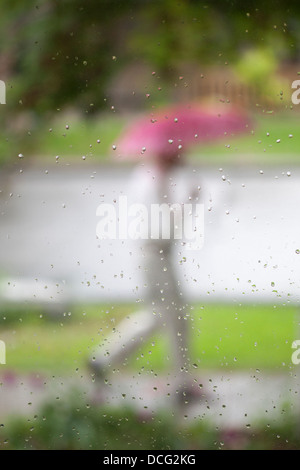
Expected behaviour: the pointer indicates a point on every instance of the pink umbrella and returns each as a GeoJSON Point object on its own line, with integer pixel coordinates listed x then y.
{"type": "Point", "coordinates": [167, 134]}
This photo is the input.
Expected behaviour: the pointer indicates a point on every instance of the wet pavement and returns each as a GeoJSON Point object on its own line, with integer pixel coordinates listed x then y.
{"type": "Point", "coordinates": [229, 400]}
{"type": "Point", "coordinates": [50, 252]}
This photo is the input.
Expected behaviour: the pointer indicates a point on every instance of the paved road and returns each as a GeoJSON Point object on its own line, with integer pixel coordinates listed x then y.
{"type": "Point", "coordinates": [48, 236]}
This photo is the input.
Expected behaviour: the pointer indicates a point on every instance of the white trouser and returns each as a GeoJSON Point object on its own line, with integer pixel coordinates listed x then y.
{"type": "Point", "coordinates": [164, 309]}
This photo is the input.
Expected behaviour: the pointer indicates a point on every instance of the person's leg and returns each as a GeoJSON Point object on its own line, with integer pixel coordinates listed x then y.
{"type": "Point", "coordinates": [167, 303]}
{"type": "Point", "coordinates": [126, 337]}
{"type": "Point", "coordinates": [165, 310]}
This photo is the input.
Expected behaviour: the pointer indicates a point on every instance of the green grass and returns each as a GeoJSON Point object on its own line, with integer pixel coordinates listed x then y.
{"type": "Point", "coordinates": [51, 138]}
{"type": "Point", "coordinates": [260, 146]}
{"type": "Point", "coordinates": [221, 337]}
{"type": "Point", "coordinates": [73, 138]}
{"type": "Point", "coordinates": [70, 138]}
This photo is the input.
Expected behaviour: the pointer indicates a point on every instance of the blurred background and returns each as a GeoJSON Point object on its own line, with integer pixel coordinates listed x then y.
{"type": "Point", "coordinates": [76, 73]}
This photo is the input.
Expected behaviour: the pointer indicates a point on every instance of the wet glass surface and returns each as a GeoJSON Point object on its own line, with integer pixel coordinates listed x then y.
{"type": "Point", "coordinates": [149, 225]}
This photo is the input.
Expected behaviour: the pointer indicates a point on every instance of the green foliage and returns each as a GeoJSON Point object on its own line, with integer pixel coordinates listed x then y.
{"type": "Point", "coordinates": [258, 68]}
{"type": "Point", "coordinates": [73, 424]}
{"type": "Point", "coordinates": [255, 66]}
{"type": "Point", "coordinates": [58, 53]}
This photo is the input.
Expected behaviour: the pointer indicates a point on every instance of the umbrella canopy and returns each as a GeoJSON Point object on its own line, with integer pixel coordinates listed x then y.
{"type": "Point", "coordinates": [170, 132]}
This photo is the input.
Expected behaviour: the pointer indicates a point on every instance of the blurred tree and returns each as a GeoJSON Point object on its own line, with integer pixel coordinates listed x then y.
{"type": "Point", "coordinates": [60, 52]}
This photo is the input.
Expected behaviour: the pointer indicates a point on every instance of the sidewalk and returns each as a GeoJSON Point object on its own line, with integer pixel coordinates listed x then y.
{"type": "Point", "coordinates": [236, 400]}
{"type": "Point", "coordinates": [250, 252]}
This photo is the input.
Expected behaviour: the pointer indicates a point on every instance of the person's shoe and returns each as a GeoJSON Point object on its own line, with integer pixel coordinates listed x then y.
{"type": "Point", "coordinates": [97, 370]}
{"type": "Point", "coordinates": [189, 394]}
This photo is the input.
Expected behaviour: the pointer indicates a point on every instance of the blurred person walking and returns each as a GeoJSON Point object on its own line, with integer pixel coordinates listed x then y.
{"type": "Point", "coordinates": [165, 305]}
{"type": "Point", "coordinates": [158, 144]}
